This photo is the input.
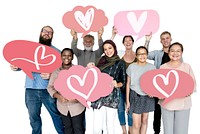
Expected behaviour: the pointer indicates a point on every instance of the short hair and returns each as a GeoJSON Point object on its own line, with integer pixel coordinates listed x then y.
{"type": "Point", "coordinates": [68, 49]}
{"type": "Point", "coordinates": [165, 32]}
{"type": "Point", "coordinates": [47, 26]}
{"type": "Point", "coordinates": [88, 36]}
{"type": "Point", "coordinates": [142, 47]}
{"type": "Point", "coordinates": [176, 43]}
{"type": "Point", "coordinates": [126, 37]}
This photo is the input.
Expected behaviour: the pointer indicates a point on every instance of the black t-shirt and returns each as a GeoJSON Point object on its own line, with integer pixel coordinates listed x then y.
{"type": "Point", "coordinates": [165, 58]}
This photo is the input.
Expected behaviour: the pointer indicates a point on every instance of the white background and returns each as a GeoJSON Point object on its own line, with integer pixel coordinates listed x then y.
{"type": "Point", "coordinates": [23, 19]}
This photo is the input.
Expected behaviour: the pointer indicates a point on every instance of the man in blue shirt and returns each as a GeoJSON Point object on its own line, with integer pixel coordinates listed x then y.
{"type": "Point", "coordinates": [36, 92]}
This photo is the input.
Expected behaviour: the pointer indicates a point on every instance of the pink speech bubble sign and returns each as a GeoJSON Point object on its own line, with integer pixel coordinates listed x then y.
{"type": "Point", "coordinates": [32, 56]}
{"type": "Point", "coordinates": [85, 19]}
{"type": "Point", "coordinates": [136, 22]}
{"type": "Point", "coordinates": [167, 83]}
{"type": "Point", "coordinates": [83, 84]}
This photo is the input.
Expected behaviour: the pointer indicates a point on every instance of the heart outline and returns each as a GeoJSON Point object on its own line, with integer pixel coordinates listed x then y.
{"type": "Point", "coordinates": [85, 21]}
{"type": "Point", "coordinates": [166, 82]}
{"type": "Point", "coordinates": [36, 58]}
{"type": "Point", "coordinates": [137, 24]}
{"type": "Point", "coordinates": [42, 57]}
{"type": "Point", "coordinates": [81, 82]}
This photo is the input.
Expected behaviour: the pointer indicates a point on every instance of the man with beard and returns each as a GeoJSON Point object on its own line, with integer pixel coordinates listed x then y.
{"type": "Point", "coordinates": [87, 55]}
{"type": "Point", "coordinates": [36, 92]}
{"type": "Point", "coordinates": [84, 57]}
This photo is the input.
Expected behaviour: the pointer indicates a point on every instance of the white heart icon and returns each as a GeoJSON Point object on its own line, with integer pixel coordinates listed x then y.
{"type": "Point", "coordinates": [82, 82]}
{"type": "Point", "coordinates": [166, 82]}
{"type": "Point", "coordinates": [43, 56]}
{"type": "Point", "coordinates": [137, 24]}
{"type": "Point", "coordinates": [85, 21]}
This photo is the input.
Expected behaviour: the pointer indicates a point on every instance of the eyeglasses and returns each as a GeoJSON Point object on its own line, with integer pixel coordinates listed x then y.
{"type": "Point", "coordinates": [48, 32]}
{"type": "Point", "coordinates": [141, 54]}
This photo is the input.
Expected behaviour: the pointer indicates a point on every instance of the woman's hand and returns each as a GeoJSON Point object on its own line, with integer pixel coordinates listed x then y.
{"type": "Point", "coordinates": [127, 106]}
{"type": "Point", "coordinates": [151, 96]}
{"type": "Point", "coordinates": [114, 83]}
{"type": "Point", "coordinates": [148, 37]}
{"type": "Point", "coordinates": [90, 65]}
{"type": "Point", "coordinates": [188, 95]}
{"type": "Point", "coordinates": [60, 98]}
{"type": "Point", "coordinates": [114, 32]}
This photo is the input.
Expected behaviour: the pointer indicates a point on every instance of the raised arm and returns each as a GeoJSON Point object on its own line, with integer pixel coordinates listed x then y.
{"type": "Point", "coordinates": [147, 40]}
{"type": "Point", "coordinates": [99, 51]}
{"type": "Point", "coordinates": [100, 33]}
{"type": "Point", "coordinates": [100, 40]}
{"type": "Point", "coordinates": [114, 32]}
{"type": "Point", "coordinates": [74, 43]}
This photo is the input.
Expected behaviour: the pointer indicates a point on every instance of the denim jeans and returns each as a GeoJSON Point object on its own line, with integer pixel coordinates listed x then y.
{"type": "Point", "coordinates": [34, 98]}
{"type": "Point", "coordinates": [121, 111]}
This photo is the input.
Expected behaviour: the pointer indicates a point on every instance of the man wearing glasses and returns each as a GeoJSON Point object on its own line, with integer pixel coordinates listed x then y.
{"type": "Point", "coordinates": [36, 92]}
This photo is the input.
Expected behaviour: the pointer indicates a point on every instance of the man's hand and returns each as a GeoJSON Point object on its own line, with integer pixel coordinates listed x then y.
{"type": "Point", "coordinates": [74, 34]}
{"type": "Point", "coordinates": [100, 33]}
{"type": "Point", "coordinates": [13, 67]}
{"type": "Point", "coordinates": [45, 76]}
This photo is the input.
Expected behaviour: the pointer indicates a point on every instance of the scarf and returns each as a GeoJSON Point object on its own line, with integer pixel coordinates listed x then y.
{"type": "Point", "coordinates": [105, 61]}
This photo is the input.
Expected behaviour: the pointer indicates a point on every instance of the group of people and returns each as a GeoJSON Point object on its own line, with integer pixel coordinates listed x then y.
{"type": "Point", "coordinates": [71, 117]}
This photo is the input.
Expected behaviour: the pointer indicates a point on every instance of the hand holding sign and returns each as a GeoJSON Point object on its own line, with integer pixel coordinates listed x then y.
{"type": "Point", "coordinates": [167, 84]}
{"type": "Point", "coordinates": [83, 84]}
{"type": "Point", "coordinates": [31, 57]}
{"type": "Point", "coordinates": [85, 19]}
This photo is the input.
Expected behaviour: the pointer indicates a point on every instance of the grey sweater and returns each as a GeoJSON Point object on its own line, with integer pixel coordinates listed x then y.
{"type": "Point", "coordinates": [83, 56]}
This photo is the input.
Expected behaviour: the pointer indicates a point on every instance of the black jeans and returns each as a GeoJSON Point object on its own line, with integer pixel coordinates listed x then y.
{"type": "Point", "coordinates": [74, 125]}
{"type": "Point", "coordinates": [157, 117]}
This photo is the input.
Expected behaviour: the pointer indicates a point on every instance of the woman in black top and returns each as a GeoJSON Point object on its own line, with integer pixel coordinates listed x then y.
{"type": "Point", "coordinates": [105, 108]}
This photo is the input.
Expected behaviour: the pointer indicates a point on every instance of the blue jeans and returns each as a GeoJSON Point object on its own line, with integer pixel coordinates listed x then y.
{"type": "Point", "coordinates": [34, 98]}
{"type": "Point", "coordinates": [121, 111]}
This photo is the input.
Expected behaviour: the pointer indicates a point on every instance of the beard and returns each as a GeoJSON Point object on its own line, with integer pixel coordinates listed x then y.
{"type": "Point", "coordinates": [88, 48]}
{"type": "Point", "coordinates": [45, 41]}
